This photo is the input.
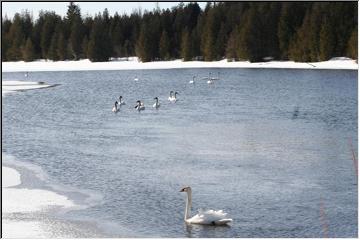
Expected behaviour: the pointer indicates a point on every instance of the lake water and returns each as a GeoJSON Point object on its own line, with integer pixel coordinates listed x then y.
{"type": "Point", "coordinates": [268, 146]}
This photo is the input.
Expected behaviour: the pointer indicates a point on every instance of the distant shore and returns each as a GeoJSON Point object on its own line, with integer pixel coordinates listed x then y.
{"type": "Point", "coordinates": [132, 63]}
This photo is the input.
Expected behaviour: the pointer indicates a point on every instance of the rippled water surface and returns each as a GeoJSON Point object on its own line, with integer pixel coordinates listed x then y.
{"type": "Point", "coordinates": [270, 147]}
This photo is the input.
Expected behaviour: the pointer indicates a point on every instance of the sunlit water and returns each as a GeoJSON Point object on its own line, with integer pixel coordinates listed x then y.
{"type": "Point", "coordinates": [270, 147]}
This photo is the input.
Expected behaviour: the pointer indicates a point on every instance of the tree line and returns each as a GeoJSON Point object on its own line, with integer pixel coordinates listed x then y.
{"type": "Point", "coordinates": [254, 31]}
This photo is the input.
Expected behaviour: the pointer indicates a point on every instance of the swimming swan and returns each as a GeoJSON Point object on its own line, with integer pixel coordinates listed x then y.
{"type": "Point", "coordinates": [171, 95]}
{"type": "Point", "coordinates": [208, 217]}
{"type": "Point", "coordinates": [156, 104]}
{"type": "Point", "coordinates": [115, 108]}
{"type": "Point", "coordinates": [210, 79]}
{"type": "Point", "coordinates": [121, 102]}
{"type": "Point", "coordinates": [172, 98]}
{"type": "Point", "coordinates": [192, 81]}
{"type": "Point", "coordinates": [139, 105]}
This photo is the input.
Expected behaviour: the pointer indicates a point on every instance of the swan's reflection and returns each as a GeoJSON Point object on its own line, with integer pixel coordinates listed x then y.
{"type": "Point", "coordinates": [188, 229]}
{"type": "Point", "coordinates": [207, 231]}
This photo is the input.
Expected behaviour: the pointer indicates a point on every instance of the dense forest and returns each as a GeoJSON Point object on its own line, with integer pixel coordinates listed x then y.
{"type": "Point", "coordinates": [255, 31]}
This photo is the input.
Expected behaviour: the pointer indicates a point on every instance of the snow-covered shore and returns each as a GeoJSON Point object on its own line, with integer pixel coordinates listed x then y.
{"type": "Point", "coordinates": [12, 86]}
{"type": "Point", "coordinates": [22, 201]}
{"type": "Point", "coordinates": [133, 64]}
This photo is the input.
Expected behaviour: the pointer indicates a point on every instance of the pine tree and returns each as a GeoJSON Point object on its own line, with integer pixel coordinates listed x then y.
{"type": "Point", "coordinates": [52, 52]}
{"type": "Point", "coordinates": [16, 39]}
{"type": "Point", "coordinates": [76, 30]}
{"type": "Point", "coordinates": [61, 47]}
{"type": "Point", "coordinates": [143, 48]}
{"type": "Point", "coordinates": [327, 40]}
{"type": "Point", "coordinates": [164, 46]}
{"type": "Point", "coordinates": [29, 51]}
{"type": "Point", "coordinates": [185, 46]}
{"type": "Point", "coordinates": [231, 45]}
{"type": "Point", "coordinates": [84, 46]}
{"type": "Point", "coordinates": [352, 49]}
{"type": "Point", "coordinates": [99, 47]}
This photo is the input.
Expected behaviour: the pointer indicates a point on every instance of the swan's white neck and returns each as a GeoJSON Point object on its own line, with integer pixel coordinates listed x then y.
{"type": "Point", "coordinates": [188, 205]}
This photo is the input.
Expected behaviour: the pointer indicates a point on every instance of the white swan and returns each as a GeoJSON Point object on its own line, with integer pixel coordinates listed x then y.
{"type": "Point", "coordinates": [172, 98]}
{"type": "Point", "coordinates": [156, 104]}
{"type": "Point", "coordinates": [121, 102]}
{"type": "Point", "coordinates": [192, 81]}
{"type": "Point", "coordinates": [115, 108]}
{"type": "Point", "coordinates": [208, 217]}
{"type": "Point", "coordinates": [139, 106]}
{"type": "Point", "coordinates": [171, 95]}
{"type": "Point", "coordinates": [218, 77]}
{"type": "Point", "coordinates": [136, 79]}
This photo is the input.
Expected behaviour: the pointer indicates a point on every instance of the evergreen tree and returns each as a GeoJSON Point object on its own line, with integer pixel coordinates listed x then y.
{"type": "Point", "coordinates": [352, 49]}
{"type": "Point", "coordinates": [241, 30]}
{"type": "Point", "coordinates": [231, 45]}
{"type": "Point", "coordinates": [84, 46]}
{"type": "Point", "coordinates": [52, 52]}
{"type": "Point", "coordinates": [327, 40]}
{"type": "Point", "coordinates": [48, 29]}
{"type": "Point", "coordinates": [76, 30]}
{"type": "Point", "coordinates": [164, 46]}
{"type": "Point", "coordinates": [16, 39]}
{"type": "Point", "coordinates": [142, 46]}
{"type": "Point", "coordinates": [29, 51]}
{"type": "Point", "coordinates": [61, 47]}
{"type": "Point", "coordinates": [186, 46]}
{"type": "Point", "coordinates": [99, 47]}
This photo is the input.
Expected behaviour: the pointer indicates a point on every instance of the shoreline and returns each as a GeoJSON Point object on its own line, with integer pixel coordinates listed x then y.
{"type": "Point", "coordinates": [132, 63]}
{"type": "Point", "coordinates": [33, 212]}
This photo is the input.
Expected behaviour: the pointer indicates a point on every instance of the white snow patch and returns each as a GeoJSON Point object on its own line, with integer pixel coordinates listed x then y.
{"type": "Point", "coordinates": [133, 63]}
{"type": "Point", "coordinates": [13, 86]}
{"type": "Point", "coordinates": [10, 177]}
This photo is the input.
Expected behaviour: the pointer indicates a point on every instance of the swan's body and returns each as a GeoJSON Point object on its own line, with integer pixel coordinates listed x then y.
{"type": "Point", "coordinates": [192, 81]}
{"type": "Point", "coordinates": [121, 102]}
{"type": "Point", "coordinates": [172, 98]}
{"type": "Point", "coordinates": [136, 79]}
{"type": "Point", "coordinates": [171, 95]}
{"type": "Point", "coordinates": [115, 108]}
{"type": "Point", "coordinates": [218, 77]}
{"type": "Point", "coordinates": [156, 104]}
{"type": "Point", "coordinates": [208, 217]}
{"type": "Point", "coordinates": [209, 79]}
{"type": "Point", "coordinates": [139, 106]}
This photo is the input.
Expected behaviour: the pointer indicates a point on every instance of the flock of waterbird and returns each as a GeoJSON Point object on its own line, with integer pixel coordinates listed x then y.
{"type": "Point", "coordinates": [140, 106]}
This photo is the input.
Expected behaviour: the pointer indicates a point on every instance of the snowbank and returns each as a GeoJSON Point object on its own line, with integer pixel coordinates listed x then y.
{"type": "Point", "coordinates": [12, 86]}
{"type": "Point", "coordinates": [133, 63]}
{"type": "Point", "coordinates": [25, 201]}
